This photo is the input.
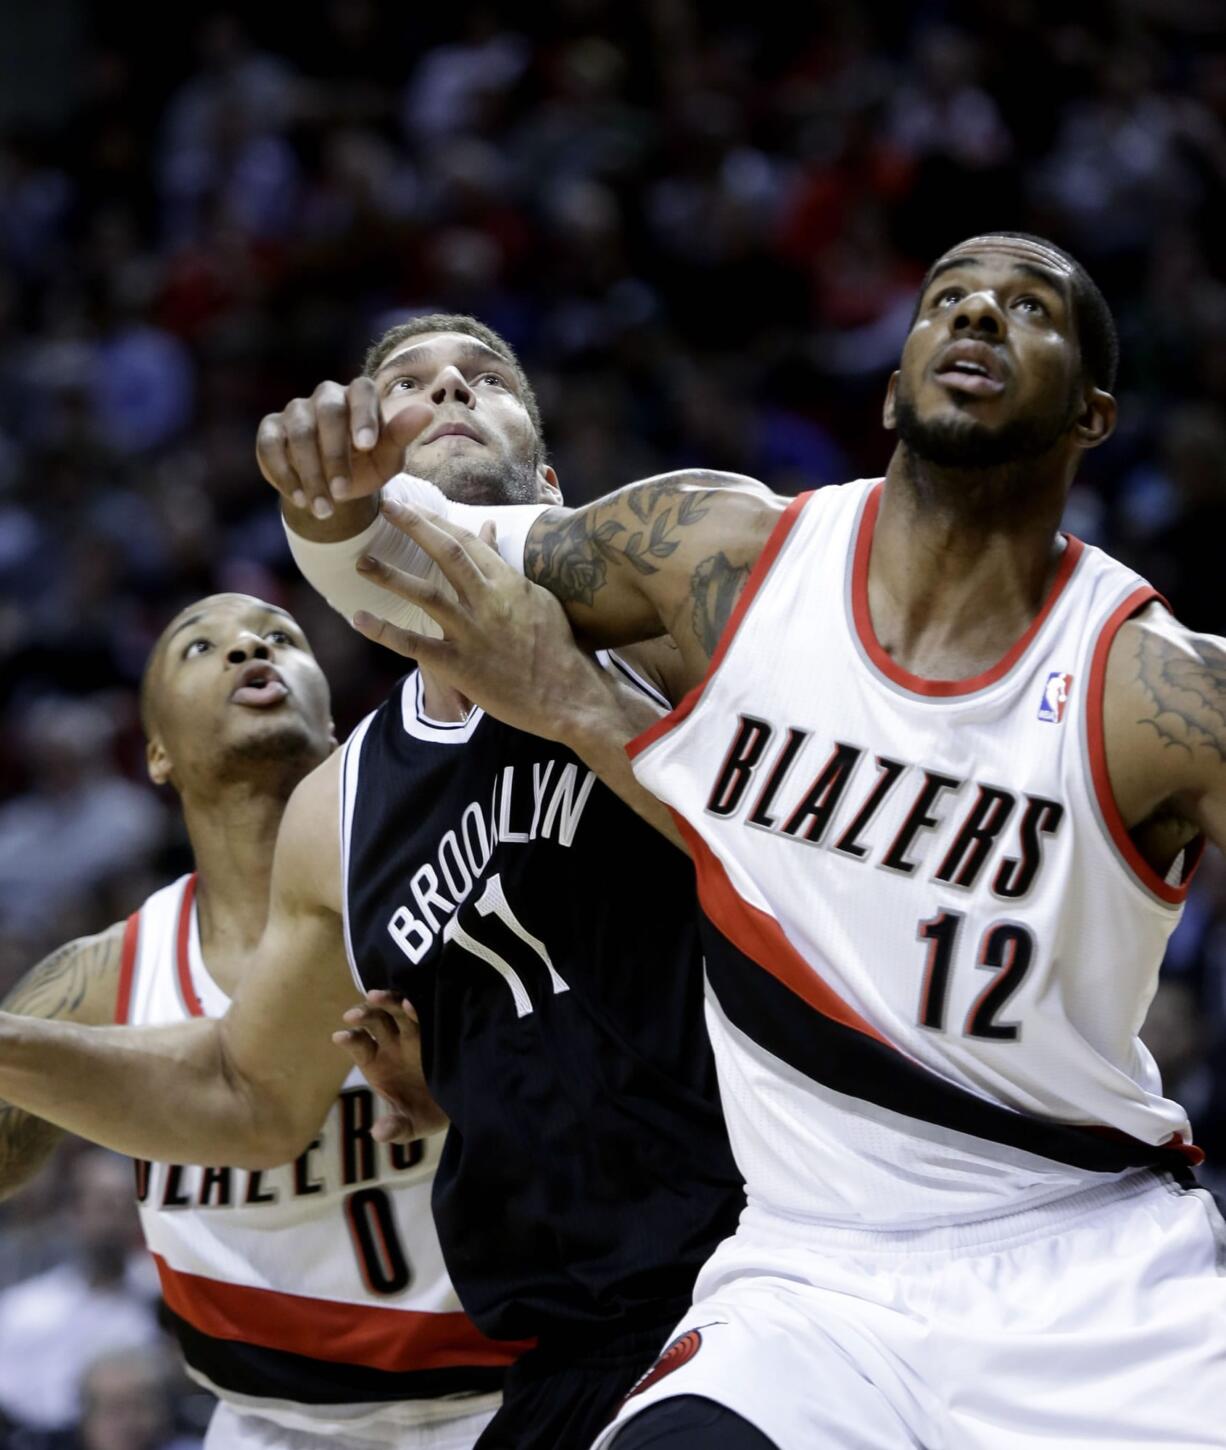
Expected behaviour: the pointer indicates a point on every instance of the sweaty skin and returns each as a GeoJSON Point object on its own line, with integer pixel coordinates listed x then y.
{"type": "Point", "coordinates": [962, 555]}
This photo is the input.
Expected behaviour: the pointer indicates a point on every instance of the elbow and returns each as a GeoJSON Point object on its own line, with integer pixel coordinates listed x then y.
{"type": "Point", "coordinates": [270, 1144]}
{"type": "Point", "coordinates": [265, 1125]}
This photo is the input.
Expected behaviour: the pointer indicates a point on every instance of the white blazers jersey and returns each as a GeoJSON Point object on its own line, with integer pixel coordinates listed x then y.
{"type": "Point", "coordinates": [930, 941]}
{"type": "Point", "coordinates": [314, 1294]}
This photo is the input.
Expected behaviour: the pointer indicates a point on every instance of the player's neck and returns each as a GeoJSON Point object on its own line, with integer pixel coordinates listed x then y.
{"type": "Point", "coordinates": [961, 563]}
{"type": "Point", "coordinates": [233, 833]}
{"type": "Point", "coordinates": [441, 702]}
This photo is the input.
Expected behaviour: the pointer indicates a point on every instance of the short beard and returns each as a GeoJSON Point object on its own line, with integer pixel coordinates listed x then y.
{"type": "Point", "coordinates": [278, 758]}
{"type": "Point", "coordinates": [964, 443]}
{"type": "Point", "coordinates": [486, 481]}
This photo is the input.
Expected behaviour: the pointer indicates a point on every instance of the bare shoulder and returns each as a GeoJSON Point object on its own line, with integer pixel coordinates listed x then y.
{"type": "Point", "coordinates": [1164, 712]}
{"type": "Point", "coordinates": [77, 982]}
{"type": "Point", "coordinates": [307, 864]}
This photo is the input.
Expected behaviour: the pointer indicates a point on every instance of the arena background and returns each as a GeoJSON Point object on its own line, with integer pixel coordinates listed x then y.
{"type": "Point", "coordinates": [703, 235]}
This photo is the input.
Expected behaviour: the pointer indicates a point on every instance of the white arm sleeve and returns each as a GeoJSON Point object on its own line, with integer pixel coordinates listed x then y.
{"type": "Point", "coordinates": [331, 569]}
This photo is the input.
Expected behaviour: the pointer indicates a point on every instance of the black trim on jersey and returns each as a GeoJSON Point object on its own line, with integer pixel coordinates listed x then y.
{"type": "Point", "coordinates": [643, 685]}
{"type": "Point", "coordinates": [850, 1062]}
{"type": "Point", "coordinates": [419, 708]}
{"type": "Point", "coordinates": [276, 1374]}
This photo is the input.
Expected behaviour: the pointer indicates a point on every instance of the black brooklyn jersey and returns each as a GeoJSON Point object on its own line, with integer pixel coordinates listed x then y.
{"type": "Point", "coordinates": [545, 935]}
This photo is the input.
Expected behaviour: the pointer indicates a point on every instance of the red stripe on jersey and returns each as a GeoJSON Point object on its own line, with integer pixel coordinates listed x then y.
{"type": "Point", "coordinates": [127, 969]}
{"type": "Point", "coordinates": [757, 577]}
{"type": "Point", "coordinates": [1193, 1154]}
{"type": "Point", "coordinates": [916, 684]}
{"type": "Point", "coordinates": [761, 938]}
{"type": "Point", "coordinates": [187, 988]}
{"type": "Point", "coordinates": [1099, 773]}
{"type": "Point", "coordinates": [397, 1340]}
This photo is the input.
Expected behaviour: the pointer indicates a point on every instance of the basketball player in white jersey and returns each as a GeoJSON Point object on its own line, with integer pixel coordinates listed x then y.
{"type": "Point", "coordinates": [945, 773]}
{"type": "Point", "coordinates": [310, 1298]}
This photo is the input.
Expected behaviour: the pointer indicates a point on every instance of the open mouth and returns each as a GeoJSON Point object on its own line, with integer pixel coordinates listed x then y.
{"type": "Point", "coordinates": [259, 687]}
{"type": "Point", "coordinates": [971, 368]}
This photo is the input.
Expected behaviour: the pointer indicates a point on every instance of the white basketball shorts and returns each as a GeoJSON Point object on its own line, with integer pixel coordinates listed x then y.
{"type": "Point", "coordinates": [232, 1429]}
{"type": "Point", "coordinates": [1093, 1322]}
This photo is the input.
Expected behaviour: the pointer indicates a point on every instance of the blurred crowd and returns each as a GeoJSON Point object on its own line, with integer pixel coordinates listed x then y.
{"type": "Point", "coordinates": [703, 234]}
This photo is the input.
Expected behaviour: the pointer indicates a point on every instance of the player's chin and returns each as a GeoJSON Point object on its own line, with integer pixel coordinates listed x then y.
{"type": "Point", "coordinates": [280, 727]}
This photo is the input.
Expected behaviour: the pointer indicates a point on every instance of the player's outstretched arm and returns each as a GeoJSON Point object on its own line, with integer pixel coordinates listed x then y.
{"type": "Point", "coordinates": [1165, 728]}
{"type": "Point", "coordinates": [248, 1090]}
{"type": "Point", "coordinates": [78, 982]}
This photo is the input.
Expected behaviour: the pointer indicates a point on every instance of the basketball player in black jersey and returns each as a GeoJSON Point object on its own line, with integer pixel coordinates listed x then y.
{"type": "Point", "coordinates": [546, 939]}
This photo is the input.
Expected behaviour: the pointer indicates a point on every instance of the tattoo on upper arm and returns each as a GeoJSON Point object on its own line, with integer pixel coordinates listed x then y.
{"type": "Point", "coordinates": [715, 587]}
{"type": "Point", "coordinates": [1187, 684]}
{"type": "Point", "coordinates": [56, 987]}
{"type": "Point", "coordinates": [572, 558]}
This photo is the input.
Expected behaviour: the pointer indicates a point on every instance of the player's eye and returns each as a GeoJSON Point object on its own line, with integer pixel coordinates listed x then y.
{"type": "Point", "coordinates": [1032, 305]}
{"type": "Point", "coordinates": [197, 647]}
{"type": "Point", "coordinates": [406, 383]}
{"type": "Point", "coordinates": [491, 378]}
{"type": "Point", "coordinates": [279, 636]}
{"type": "Point", "coordinates": [947, 295]}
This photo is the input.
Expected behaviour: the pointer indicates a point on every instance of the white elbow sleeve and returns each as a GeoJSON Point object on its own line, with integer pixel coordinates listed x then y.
{"type": "Point", "coordinates": [331, 569]}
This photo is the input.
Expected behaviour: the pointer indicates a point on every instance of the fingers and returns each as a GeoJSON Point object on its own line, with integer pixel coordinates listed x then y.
{"type": "Point", "coordinates": [394, 1127]}
{"type": "Point", "coordinates": [359, 1045]}
{"type": "Point", "coordinates": [331, 405]}
{"type": "Point", "coordinates": [396, 1006]}
{"type": "Point", "coordinates": [372, 467]}
{"type": "Point", "coordinates": [459, 554]}
{"type": "Point", "coordinates": [272, 456]}
{"type": "Point", "coordinates": [380, 1026]}
{"type": "Point", "coordinates": [392, 637]}
{"type": "Point", "coordinates": [427, 595]}
{"type": "Point", "coordinates": [303, 441]}
{"type": "Point", "coordinates": [362, 398]}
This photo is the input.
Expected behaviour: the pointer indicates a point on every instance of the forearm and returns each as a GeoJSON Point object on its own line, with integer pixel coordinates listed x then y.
{"type": "Point", "coordinates": [327, 556]}
{"type": "Point", "coordinates": [346, 521]}
{"type": "Point", "coordinates": [160, 1093]}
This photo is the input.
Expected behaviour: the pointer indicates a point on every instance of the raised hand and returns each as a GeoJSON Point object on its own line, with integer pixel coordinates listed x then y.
{"type": "Point", "coordinates": [506, 646]}
{"type": "Point", "coordinates": [334, 446]}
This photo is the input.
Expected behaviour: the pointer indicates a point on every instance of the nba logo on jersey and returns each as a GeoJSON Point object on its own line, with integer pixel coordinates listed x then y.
{"type": "Point", "coordinates": [1055, 697]}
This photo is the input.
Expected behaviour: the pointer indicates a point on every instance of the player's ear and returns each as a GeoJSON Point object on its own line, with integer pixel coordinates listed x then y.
{"type": "Point", "coordinates": [157, 761]}
{"type": "Point", "coordinates": [1096, 422]}
{"type": "Point", "coordinates": [547, 485]}
{"type": "Point", "coordinates": [887, 411]}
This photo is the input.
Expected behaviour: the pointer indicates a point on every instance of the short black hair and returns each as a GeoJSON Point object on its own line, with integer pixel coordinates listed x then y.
{"type": "Point", "coordinates": [1097, 337]}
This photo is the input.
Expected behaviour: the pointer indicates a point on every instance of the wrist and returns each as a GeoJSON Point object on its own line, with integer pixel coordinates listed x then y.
{"type": "Point", "coordinates": [591, 719]}
{"type": "Point", "coordinates": [345, 522]}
